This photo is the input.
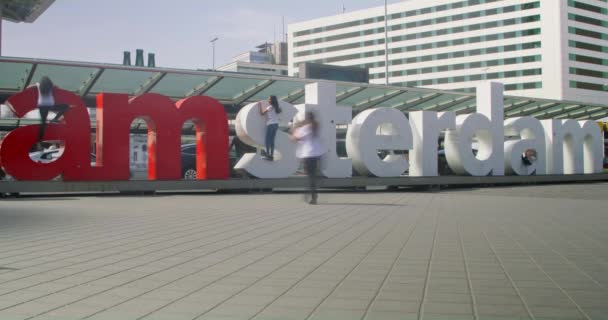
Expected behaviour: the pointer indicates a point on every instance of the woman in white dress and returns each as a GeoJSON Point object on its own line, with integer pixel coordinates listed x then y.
{"type": "Point", "coordinates": [309, 149]}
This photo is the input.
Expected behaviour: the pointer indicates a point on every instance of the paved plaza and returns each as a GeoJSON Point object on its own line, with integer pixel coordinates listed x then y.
{"type": "Point", "coordinates": [531, 252]}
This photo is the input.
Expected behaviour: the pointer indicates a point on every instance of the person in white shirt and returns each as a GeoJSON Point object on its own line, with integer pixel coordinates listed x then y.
{"type": "Point", "coordinates": [309, 149]}
{"type": "Point", "coordinates": [46, 104]}
{"type": "Point", "coordinates": [272, 125]}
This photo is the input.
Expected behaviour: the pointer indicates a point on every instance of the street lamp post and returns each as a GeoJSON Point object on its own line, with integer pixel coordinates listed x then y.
{"type": "Point", "coordinates": [485, 73]}
{"type": "Point", "coordinates": [213, 45]}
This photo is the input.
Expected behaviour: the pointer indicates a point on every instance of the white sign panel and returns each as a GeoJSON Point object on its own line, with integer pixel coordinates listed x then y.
{"type": "Point", "coordinates": [379, 129]}
{"type": "Point", "coordinates": [250, 127]}
{"type": "Point", "coordinates": [474, 143]}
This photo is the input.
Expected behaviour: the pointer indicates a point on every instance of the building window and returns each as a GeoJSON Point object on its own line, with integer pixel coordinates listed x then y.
{"type": "Point", "coordinates": [588, 33]}
{"type": "Point", "coordinates": [588, 86]}
{"type": "Point", "coordinates": [588, 20]}
{"type": "Point", "coordinates": [426, 22]}
{"type": "Point", "coordinates": [588, 46]}
{"type": "Point", "coordinates": [588, 7]}
{"type": "Point", "coordinates": [590, 60]}
{"type": "Point", "coordinates": [589, 73]}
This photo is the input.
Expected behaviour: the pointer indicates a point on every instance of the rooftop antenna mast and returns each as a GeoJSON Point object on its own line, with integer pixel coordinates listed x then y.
{"type": "Point", "coordinates": [284, 34]}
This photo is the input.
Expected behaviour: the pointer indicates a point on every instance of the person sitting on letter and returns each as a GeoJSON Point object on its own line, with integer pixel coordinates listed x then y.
{"type": "Point", "coordinates": [528, 157]}
{"type": "Point", "coordinates": [46, 103]}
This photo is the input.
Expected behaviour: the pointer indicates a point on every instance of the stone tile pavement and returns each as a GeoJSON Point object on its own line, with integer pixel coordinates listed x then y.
{"type": "Point", "coordinates": [533, 252]}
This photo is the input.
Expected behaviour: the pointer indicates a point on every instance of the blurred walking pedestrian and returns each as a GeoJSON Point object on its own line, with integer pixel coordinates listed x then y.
{"type": "Point", "coordinates": [309, 150]}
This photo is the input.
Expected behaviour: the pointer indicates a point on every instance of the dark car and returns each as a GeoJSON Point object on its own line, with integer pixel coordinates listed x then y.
{"type": "Point", "coordinates": [189, 161]}
{"type": "Point", "coordinates": [237, 149]}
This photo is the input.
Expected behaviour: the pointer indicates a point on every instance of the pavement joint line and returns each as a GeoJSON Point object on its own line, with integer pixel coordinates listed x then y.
{"type": "Point", "coordinates": [394, 263]}
{"type": "Point", "coordinates": [34, 241]}
{"type": "Point", "coordinates": [568, 261]}
{"type": "Point", "coordinates": [557, 225]}
{"type": "Point", "coordinates": [165, 269]}
{"type": "Point", "coordinates": [291, 261]}
{"type": "Point", "coordinates": [352, 269]}
{"type": "Point", "coordinates": [95, 226]}
{"type": "Point", "coordinates": [254, 262]}
{"type": "Point", "coordinates": [585, 232]}
{"type": "Point", "coordinates": [97, 267]}
{"type": "Point", "coordinates": [599, 260]}
{"type": "Point", "coordinates": [79, 232]}
{"type": "Point", "coordinates": [131, 249]}
{"type": "Point", "coordinates": [220, 216]}
{"type": "Point", "coordinates": [141, 231]}
{"type": "Point", "coordinates": [545, 273]}
{"type": "Point", "coordinates": [429, 266]}
{"type": "Point", "coordinates": [129, 216]}
{"type": "Point", "coordinates": [502, 266]}
{"type": "Point", "coordinates": [465, 214]}
{"type": "Point", "coordinates": [155, 273]}
{"type": "Point", "coordinates": [467, 272]}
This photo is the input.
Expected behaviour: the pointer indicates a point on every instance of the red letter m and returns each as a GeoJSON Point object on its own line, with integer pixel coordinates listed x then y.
{"type": "Point", "coordinates": [165, 120]}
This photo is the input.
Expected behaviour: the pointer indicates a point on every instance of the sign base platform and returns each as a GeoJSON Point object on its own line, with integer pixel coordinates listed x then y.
{"type": "Point", "coordinates": [146, 186]}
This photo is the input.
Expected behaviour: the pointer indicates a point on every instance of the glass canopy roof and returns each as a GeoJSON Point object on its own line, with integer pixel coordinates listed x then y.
{"type": "Point", "coordinates": [236, 90]}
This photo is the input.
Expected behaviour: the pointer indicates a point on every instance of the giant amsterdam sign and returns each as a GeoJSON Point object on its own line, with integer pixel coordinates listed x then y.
{"type": "Point", "coordinates": [563, 146]}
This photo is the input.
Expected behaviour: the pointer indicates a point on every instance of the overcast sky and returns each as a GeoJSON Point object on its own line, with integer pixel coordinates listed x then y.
{"type": "Point", "coordinates": [178, 31]}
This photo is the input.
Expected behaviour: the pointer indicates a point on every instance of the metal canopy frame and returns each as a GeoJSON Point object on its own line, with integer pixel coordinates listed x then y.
{"type": "Point", "coordinates": [597, 115]}
{"type": "Point", "coordinates": [252, 91]}
{"type": "Point", "coordinates": [199, 90]}
{"type": "Point", "coordinates": [30, 75]}
{"type": "Point", "coordinates": [148, 85]}
{"type": "Point", "coordinates": [407, 105]}
{"type": "Point", "coordinates": [238, 89]}
{"type": "Point", "coordinates": [364, 105]}
{"type": "Point", "coordinates": [348, 93]}
{"type": "Point", "coordinates": [521, 112]}
{"type": "Point", "coordinates": [518, 105]}
{"type": "Point", "coordinates": [86, 88]}
{"type": "Point", "coordinates": [448, 105]}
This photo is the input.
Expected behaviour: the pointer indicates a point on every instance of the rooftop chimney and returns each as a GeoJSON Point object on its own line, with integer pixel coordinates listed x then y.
{"type": "Point", "coordinates": [126, 58]}
{"type": "Point", "coordinates": [139, 57]}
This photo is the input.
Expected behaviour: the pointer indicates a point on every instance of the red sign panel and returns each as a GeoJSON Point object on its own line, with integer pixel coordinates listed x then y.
{"type": "Point", "coordinates": [115, 113]}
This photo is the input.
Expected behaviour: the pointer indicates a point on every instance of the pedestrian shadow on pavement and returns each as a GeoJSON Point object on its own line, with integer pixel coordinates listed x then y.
{"type": "Point", "coordinates": [14, 216]}
{"type": "Point", "coordinates": [28, 199]}
{"type": "Point", "coordinates": [362, 204]}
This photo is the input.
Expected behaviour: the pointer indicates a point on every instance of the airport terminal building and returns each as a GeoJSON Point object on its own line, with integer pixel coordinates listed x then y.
{"type": "Point", "coordinates": [550, 49]}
